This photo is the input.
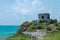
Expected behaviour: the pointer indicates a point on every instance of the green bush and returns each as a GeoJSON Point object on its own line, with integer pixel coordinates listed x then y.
{"type": "Point", "coordinates": [56, 24]}
{"type": "Point", "coordinates": [55, 20]}
{"type": "Point", "coordinates": [40, 21]}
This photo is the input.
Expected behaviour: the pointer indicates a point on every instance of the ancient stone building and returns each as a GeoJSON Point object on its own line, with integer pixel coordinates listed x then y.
{"type": "Point", "coordinates": [44, 16]}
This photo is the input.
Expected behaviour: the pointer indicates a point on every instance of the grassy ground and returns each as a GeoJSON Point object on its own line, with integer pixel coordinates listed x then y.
{"type": "Point", "coordinates": [50, 36]}
{"type": "Point", "coordinates": [53, 36]}
{"type": "Point", "coordinates": [21, 37]}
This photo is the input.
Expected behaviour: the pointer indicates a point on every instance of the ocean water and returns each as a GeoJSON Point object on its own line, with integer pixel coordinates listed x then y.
{"type": "Point", "coordinates": [7, 30]}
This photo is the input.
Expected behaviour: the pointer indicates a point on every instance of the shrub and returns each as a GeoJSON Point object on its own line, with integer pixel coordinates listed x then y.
{"type": "Point", "coordinates": [58, 28]}
{"type": "Point", "coordinates": [56, 24]}
{"type": "Point", "coordinates": [40, 21]}
{"type": "Point", "coordinates": [55, 20]}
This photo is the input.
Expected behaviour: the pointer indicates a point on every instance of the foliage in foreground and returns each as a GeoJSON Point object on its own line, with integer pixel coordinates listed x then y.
{"type": "Point", "coordinates": [35, 26]}
{"type": "Point", "coordinates": [53, 36]}
{"type": "Point", "coordinates": [21, 37]}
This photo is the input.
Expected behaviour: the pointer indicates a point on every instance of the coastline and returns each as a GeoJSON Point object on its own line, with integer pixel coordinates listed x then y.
{"type": "Point", "coordinates": [7, 30]}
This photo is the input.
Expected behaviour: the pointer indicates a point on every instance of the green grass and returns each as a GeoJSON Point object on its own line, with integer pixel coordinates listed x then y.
{"type": "Point", "coordinates": [53, 36]}
{"type": "Point", "coordinates": [21, 37]}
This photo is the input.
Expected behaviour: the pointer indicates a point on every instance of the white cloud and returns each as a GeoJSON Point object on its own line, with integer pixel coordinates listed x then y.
{"type": "Point", "coordinates": [28, 7]}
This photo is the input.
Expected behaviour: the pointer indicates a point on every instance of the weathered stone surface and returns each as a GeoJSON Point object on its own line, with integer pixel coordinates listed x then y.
{"type": "Point", "coordinates": [58, 28]}
{"type": "Point", "coordinates": [48, 28]}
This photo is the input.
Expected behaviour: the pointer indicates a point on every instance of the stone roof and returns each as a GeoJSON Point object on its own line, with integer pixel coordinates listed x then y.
{"type": "Point", "coordinates": [44, 14]}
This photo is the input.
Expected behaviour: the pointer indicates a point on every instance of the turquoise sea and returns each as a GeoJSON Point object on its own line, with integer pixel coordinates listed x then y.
{"type": "Point", "coordinates": [7, 30]}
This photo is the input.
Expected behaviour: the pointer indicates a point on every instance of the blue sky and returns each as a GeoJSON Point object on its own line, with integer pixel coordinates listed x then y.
{"type": "Point", "coordinates": [15, 12]}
